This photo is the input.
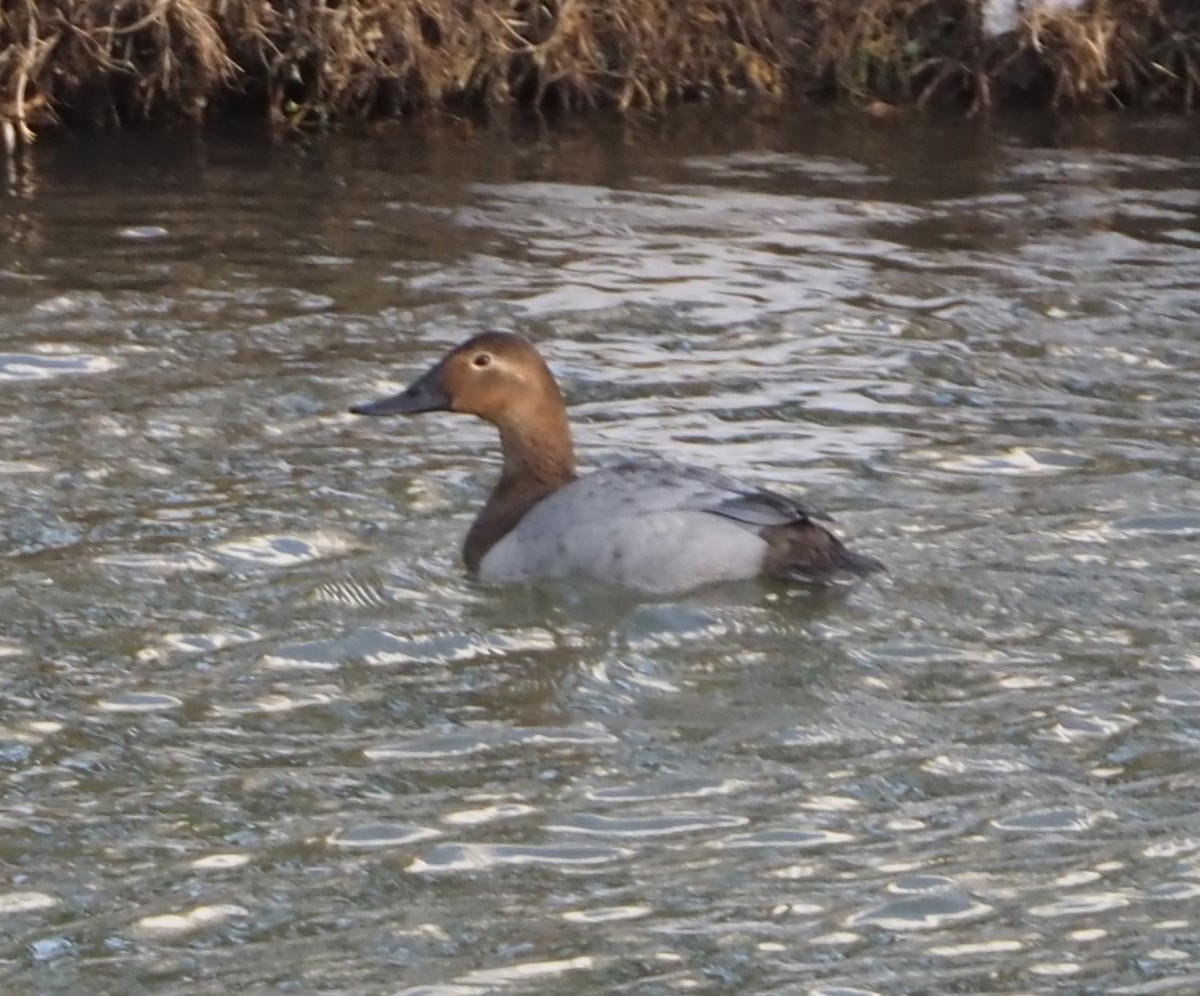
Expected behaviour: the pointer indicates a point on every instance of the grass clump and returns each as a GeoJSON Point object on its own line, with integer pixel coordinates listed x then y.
{"type": "Point", "coordinates": [1103, 52]}
{"type": "Point", "coordinates": [305, 62]}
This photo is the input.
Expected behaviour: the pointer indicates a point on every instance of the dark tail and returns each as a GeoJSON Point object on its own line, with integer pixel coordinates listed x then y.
{"type": "Point", "coordinates": [804, 550]}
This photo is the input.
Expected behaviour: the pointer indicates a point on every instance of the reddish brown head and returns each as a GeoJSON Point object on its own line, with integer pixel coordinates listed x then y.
{"type": "Point", "coordinates": [498, 376]}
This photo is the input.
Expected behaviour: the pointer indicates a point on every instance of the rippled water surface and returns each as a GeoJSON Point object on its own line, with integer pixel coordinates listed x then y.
{"type": "Point", "coordinates": [259, 732]}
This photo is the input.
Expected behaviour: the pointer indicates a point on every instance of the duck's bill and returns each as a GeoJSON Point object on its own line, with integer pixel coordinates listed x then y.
{"type": "Point", "coordinates": [424, 395]}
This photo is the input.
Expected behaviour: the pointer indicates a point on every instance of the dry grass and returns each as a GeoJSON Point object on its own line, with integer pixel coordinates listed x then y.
{"type": "Point", "coordinates": [1114, 52]}
{"type": "Point", "coordinates": [108, 61]}
{"type": "Point", "coordinates": [304, 62]}
{"type": "Point", "coordinates": [1107, 52]}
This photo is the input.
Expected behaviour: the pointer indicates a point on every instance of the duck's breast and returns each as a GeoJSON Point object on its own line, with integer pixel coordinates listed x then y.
{"type": "Point", "coordinates": [656, 527]}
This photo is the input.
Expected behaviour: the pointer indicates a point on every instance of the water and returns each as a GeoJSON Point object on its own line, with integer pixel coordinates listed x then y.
{"type": "Point", "coordinates": [258, 731]}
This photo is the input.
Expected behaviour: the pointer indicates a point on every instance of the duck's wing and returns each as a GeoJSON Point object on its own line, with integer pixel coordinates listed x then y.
{"type": "Point", "coordinates": [797, 547]}
{"type": "Point", "coordinates": [660, 486]}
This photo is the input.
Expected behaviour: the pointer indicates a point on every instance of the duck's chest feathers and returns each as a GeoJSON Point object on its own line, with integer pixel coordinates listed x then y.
{"type": "Point", "coordinates": [511, 500]}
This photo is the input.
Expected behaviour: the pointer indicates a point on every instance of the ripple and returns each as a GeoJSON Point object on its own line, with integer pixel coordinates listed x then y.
{"type": "Point", "coordinates": [206, 643]}
{"type": "Point", "coordinates": [653, 627]}
{"type": "Point", "coordinates": [645, 826]}
{"type": "Point", "coordinates": [767, 165]}
{"type": "Point", "coordinates": [25, 902]}
{"type": "Point", "coordinates": [1175, 891]}
{"type": "Point", "coordinates": [481, 981]}
{"type": "Point", "coordinates": [319, 260]}
{"type": "Point", "coordinates": [784, 838]}
{"type": "Point", "coordinates": [1172, 848]}
{"type": "Point", "coordinates": [284, 551]}
{"type": "Point", "coordinates": [913, 885]}
{"type": "Point", "coordinates": [35, 366]}
{"type": "Point", "coordinates": [1169, 954]}
{"type": "Point", "coordinates": [1024, 682]}
{"type": "Point", "coordinates": [931, 653]}
{"type": "Point", "coordinates": [139, 702]}
{"type": "Point", "coordinates": [487, 814]}
{"type": "Point", "coordinates": [606, 914]}
{"type": "Point", "coordinates": [352, 593]}
{"type": "Point", "coordinates": [1171, 524]}
{"type": "Point", "coordinates": [181, 562]}
{"type": "Point", "coordinates": [1093, 902]}
{"type": "Point", "coordinates": [969, 948]}
{"type": "Point", "coordinates": [1067, 820]}
{"type": "Point", "coordinates": [16, 751]}
{"type": "Point", "coordinates": [480, 857]}
{"type": "Point", "coordinates": [733, 237]}
{"type": "Point", "coordinates": [668, 788]}
{"type": "Point", "coordinates": [946, 765]}
{"type": "Point", "coordinates": [1087, 934]}
{"type": "Point", "coordinates": [1016, 462]}
{"type": "Point", "coordinates": [316, 655]}
{"type": "Point", "coordinates": [273, 299]}
{"type": "Point", "coordinates": [142, 232]}
{"type": "Point", "coordinates": [73, 302]}
{"type": "Point", "coordinates": [924, 912]}
{"type": "Point", "coordinates": [481, 740]}
{"type": "Point", "coordinates": [1184, 698]}
{"type": "Point", "coordinates": [26, 531]}
{"type": "Point", "coordinates": [443, 989]}
{"type": "Point", "coordinates": [1079, 876]}
{"type": "Point", "coordinates": [277, 702]}
{"type": "Point", "coordinates": [14, 467]}
{"type": "Point", "coordinates": [381, 835]}
{"type": "Point", "coordinates": [1079, 725]}
{"type": "Point", "coordinates": [48, 949]}
{"type": "Point", "coordinates": [457, 645]}
{"type": "Point", "coordinates": [191, 921]}
{"type": "Point", "coordinates": [44, 727]}
{"type": "Point", "coordinates": [830, 804]}
{"type": "Point", "coordinates": [221, 862]}
{"type": "Point", "coordinates": [525, 970]}
{"type": "Point", "coordinates": [836, 939]}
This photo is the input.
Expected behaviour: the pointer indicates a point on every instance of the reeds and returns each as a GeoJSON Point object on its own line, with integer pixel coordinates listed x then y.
{"type": "Point", "coordinates": [305, 62]}
{"type": "Point", "coordinates": [1104, 52]}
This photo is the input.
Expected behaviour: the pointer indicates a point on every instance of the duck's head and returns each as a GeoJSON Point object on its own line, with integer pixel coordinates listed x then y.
{"type": "Point", "coordinates": [497, 376]}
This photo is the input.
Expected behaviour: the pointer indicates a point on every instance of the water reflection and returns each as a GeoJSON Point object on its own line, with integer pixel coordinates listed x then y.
{"type": "Point", "coordinates": [259, 731]}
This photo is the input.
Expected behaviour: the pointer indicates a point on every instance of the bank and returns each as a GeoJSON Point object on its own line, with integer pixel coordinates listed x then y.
{"type": "Point", "coordinates": [308, 63]}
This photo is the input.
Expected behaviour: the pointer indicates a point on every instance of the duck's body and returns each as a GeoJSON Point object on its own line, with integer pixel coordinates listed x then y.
{"type": "Point", "coordinates": [651, 525]}
{"type": "Point", "coordinates": [661, 527]}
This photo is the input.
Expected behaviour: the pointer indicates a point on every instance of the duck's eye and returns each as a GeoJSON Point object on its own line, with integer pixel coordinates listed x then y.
{"type": "Point", "coordinates": [482, 360]}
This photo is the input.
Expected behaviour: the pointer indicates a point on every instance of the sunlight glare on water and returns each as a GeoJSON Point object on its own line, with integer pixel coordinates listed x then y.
{"type": "Point", "coordinates": [259, 730]}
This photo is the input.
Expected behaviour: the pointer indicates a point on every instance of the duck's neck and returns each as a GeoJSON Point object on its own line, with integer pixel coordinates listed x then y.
{"type": "Point", "coordinates": [536, 464]}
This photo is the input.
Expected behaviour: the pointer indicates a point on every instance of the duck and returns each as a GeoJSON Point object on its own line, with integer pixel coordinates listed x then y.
{"type": "Point", "coordinates": [652, 525]}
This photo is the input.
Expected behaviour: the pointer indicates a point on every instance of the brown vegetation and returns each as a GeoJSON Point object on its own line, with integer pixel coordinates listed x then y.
{"type": "Point", "coordinates": [1106, 52]}
{"type": "Point", "coordinates": [306, 61]}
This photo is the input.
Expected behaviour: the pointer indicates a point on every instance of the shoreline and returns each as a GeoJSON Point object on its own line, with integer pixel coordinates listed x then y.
{"type": "Point", "coordinates": [310, 64]}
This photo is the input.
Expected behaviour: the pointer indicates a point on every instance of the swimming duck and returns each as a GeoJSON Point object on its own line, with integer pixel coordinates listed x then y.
{"type": "Point", "coordinates": [652, 525]}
